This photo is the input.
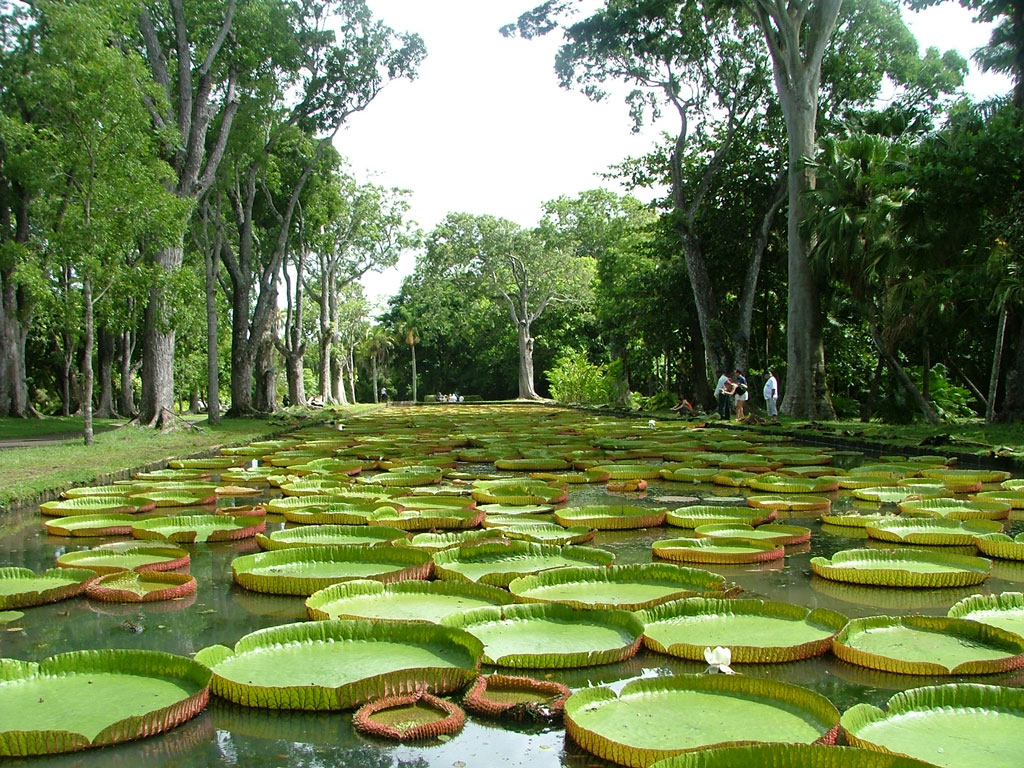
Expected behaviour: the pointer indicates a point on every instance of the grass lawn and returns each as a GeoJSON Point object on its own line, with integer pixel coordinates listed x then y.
{"type": "Point", "coordinates": [28, 473]}
{"type": "Point", "coordinates": [51, 426]}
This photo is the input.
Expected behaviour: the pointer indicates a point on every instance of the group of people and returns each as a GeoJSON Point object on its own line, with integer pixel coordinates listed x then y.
{"type": "Point", "coordinates": [734, 391]}
{"type": "Point", "coordinates": [452, 398]}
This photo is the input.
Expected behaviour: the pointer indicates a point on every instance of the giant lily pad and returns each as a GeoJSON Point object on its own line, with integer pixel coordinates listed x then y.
{"type": "Point", "coordinates": [957, 509]}
{"type": "Point", "coordinates": [404, 601]}
{"type": "Point", "coordinates": [330, 665]}
{"type": "Point", "coordinates": [435, 542]}
{"type": "Point", "coordinates": [709, 514]}
{"type": "Point", "coordinates": [94, 505]}
{"type": "Point", "coordinates": [22, 587]}
{"type": "Point", "coordinates": [88, 699]}
{"type": "Point", "coordinates": [689, 474]}
{"type": "Point", "coordinates": [974, 475]}
{"type": "Point", "coordinates": [932, 532]}
{"type": "Point", "coordinates": [409, 717]}
{"type": "Point", "coordinates": [517, 697]}
{"type": "Point", "coordinates": [335, 514]}
{"type": "Point", "coordinates": [1001, 546]}
{"type": "Point", "coordinates": [607, 517]}
{"type": "Point", "coordinates": [788, 756]}
{"type": "Point", "coordinates": [498, 564]}
{"type": "Point", "coordinates": [428, 518]}
{"type": "Point", "coordinates": [630, 471]}
{"type": "Point", "coordinates": [127, 556]}
{"type": "Point", "coordinates": [773, 532]}
{"type": "Point", "coordinates": [192, 528]}
{"type": "Point", "coordinates": [718, 550]}
{"type": "Point", "coordinates": [625, 587]}
{"type": "Point", "coordinates": [755, 631]}
{"type": "Point", "coordinates": [790, 484]}
{"type": "Point", "coordinates": [548, 636]}
{"type": "Point", "coordinates": [135, 587]}
{"type": "Point", "coordinates": [1005, 610]}
{"type": "Point", "coordinates": [655, 718]}
{"type": "Point", "coordinates": [796, 505]}
{"type": "Point", "coordinates": [957, 725]}
{"type": "Point", "coordinates": [902, 568]}
{"type": "Point", "coordinates": [175, 498]}
{"type": "Point", "coordinates": [849, 519]}
{"type": "Point", "coordinates": [328, 535]}
{"type": "Point", "coordinates": [90, 525]}
{"type": "Point", "coordinates": [928, 645]}
{"type": "Point", "coordinates": [516, 509]}
{"type": "Point", "coordinates": [304, 570]}
{"type": "Point", "coordinates": [545, 533]}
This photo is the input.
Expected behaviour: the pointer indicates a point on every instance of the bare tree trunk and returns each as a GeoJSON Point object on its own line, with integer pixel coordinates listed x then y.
{"type": "Point", "coordinates": [158, 345]}
{"type": "Point", "coordinates": [868, 409]}
{"type": "Point", "coordinates": [194, 406]}
{"type": "Point", "coordinates": [212, 258]}
{"type": "Point", "coordinates": [997, 361]}
{"type": "Point", "coordinates": [970, 384]}
{"type": "Point", "coordinates": [352, 374]}
{"type": "Point", "coordinates": [14, 400]}
{"type": "Point", "coordinates": [105, 357]}
{"type": "Point", "coordinates": [337, 377]}
{"type": "Point", "coordinates": [526, 390]}
{"type": "Point", "coordinates": [373, 378]}
{"type": "Point", "coordinates": [127, 344]}
{"type": "Point", "coordinates": [87, 373]}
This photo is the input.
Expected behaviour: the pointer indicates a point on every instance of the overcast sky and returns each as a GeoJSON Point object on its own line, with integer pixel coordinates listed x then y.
{"type": "Point", "coordinates": [485, 128]}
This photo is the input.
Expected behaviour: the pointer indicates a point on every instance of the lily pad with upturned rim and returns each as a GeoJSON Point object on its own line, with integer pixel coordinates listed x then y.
{"type": "Point", "coordinates": [622, 587]}
{"type": "Point", "coordinates": [755, 631]}
{"type": "Point", "coordinates": [305, 570]}
{"type": "Point", "coordinates": [928, 645]}
{"type": "Point", "coordinates": [515, 697]}
{"type": "Point", "coordinates": [90, 525]}
{"type": "Point", "coordinates": [428, 519]}
{"type": "Point", "coordinates": [955, 725]}
{"type": "Point", "coordinates": [429, 601]}
{"type": "Point", "coordinates": [193, 528]}
{"type": "Point", "coordinates": [94, 505]}
{"type": "Point", "coordinates": [551, 636]}
{"type": "Point", "coordinates": [782, 502]}
{"type": "Point", "coordinates": [789, 756]}
{"type": "Point", "coordinates": [707, 514]}
{"type": "Point", "coordinates": [1001, 546]}
{"type": "Point", "coordinates": [144, 556]}
{"type": "Point", "coordinates": [718, 550]}
{"type": "Point", "coordinates": [431, 541]}
{"type": "Point", "coordinates": [1005, 610]}
{"type": "Point", "coordinates": [498, 564]}
{"type": "Point", "coordinates": [328, 535]}
{"type": "Point", "coordinates": [417, 716]}
{"type": "Point", "coordinates": [772, 532]}
{"type": "Point", "coordinates": [135, 587]}
{"type": "Point", "coordinates": [611, 517]}
{"type": "Point", "coordinates": [956, 509]}
{"type": "Point", "coordinates": [23, 587]}
{"type": "Point", "coordinates": [546, 533]}
{"type": "Point", "coordinates": [912, 568]}
{"type": "Point", "coordinates": [335, 514]}
{"type": "Point", "coordinates": [936, 532]}
{"type": "Point", "coordinates": [651, 719]}
{"type": "Point", "coordinates": [51, 707]}
{"type": "Point", "coordinates": [342, 664]}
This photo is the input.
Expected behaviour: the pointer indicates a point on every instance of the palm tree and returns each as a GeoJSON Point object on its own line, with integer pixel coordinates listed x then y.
{"type": "Point", "coordinates": [857, 238]}
{"type": "Point", "coordinates": [378, 346]}
{"type": "Point", "coordinates": [410, 334]}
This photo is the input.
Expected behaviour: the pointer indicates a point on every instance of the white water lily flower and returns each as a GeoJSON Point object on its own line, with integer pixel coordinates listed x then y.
{"type": "Point", "coordinates": [652, 423]}
{"type": "Point", "coordinates": [718, 661]}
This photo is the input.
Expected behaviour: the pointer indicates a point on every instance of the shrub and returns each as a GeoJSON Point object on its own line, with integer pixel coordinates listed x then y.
{"type": "Point", "coordinates": [574, 379]}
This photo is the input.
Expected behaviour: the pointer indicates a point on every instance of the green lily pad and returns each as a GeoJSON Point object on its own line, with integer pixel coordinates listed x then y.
{"type": "Point", "coordinates": [651, 719]}
{"type": "Point", "coordinates": [428, 601]}
{"type": "Point", "coordinates": [957, 509]}
{"type": "Point", "coordinates": [6, 617]}
{"type": "Point", "coordinates": [1015, 498]}
{"type": "Point", "coordinates": [1001, 546]}
{"type": "Point", "coordinates": [51, 707]}
{"type": "Point", "coordinates": [304, 570]}
{"type": "Point", "coordinates": [531, 465]}
{"type": "Point", "coordinates": [718, 550]}
{"type": "Point", "coordinates": [932, 531]}
{"type": "Point", "coordinates": [23, 587]}
{"type": "Point", "coordinates": [928, 645]}
{"type": "Point", "coordinates": [689, 474]}
{"type": "Point", "coordinates": [956, 725]}
{"type": "Point", "coordinates": [797, 504]}
{"type": "Point", "coordinates": [788, 756]}
{"type": "Point", "coordinates": [516, 509]}
{"type": "Point", "coordinates": [618, 517]}
{"type": "Point", "coordinates": [213, 462]}
{"type": "Point", "coordinates": [146, 587]}
{"type": "Point", "coordinates": [629, 471]}
{"type": "Point", "coordinates": [518, 494]}
{"type": "Point", "coordinates": [623, 587]}
{"type": "Point", "coordinates": [974, 475]}
{"type": "Point", "coordinates": [94, 505]}
{"type": "Point", "coordinates": [331, 665]}
{"type": "Point", "coordinates": [773, 532]}
{"type": "Point", "coordinates": [192, 528]}
{"type": "Point", "coordinates": [90, 525]}
{"type": "Point", "coordinates": [143, 556]}
{"type": "Point", "coordinates": [790, 484]}
{"type": "Point", "coordinates": [546, 533]}
{"type": "Point", "coordinates": [328, 535]}
{"type": "Point", "coordinates": [98, 490]}
{"type": "Point", "coordinates": [902, 568]}
{"type": "Point", "coordinates": [756, 631]}
{"type": "Point", "coordinates": [1005, 610]}
{"type": "Point", "coordinates": [498, 564]}
{"type": "Point", "coordinates": [173, 474]}
{"type": "Point", "coordinates": [334, 514]}
{"type": "Point", "coordinates": [549, 636]}
{"type": "Point", "coordinates": [858, 519]}
{"type": "Point", "coordinates": [709, 514]}
{"type": "Point", "coordinates": [428, 518]}
{"type": "Point", "coordinates": [887, 494]}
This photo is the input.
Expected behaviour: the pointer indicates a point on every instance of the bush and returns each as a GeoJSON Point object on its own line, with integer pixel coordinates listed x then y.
{"type": "Point", "coordinates": [662, 401]}
{"type": "Point", "coordinates": [574, 379]}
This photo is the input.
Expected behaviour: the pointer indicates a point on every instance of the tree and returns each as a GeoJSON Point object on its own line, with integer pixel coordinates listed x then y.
{"type": "Point", "coordinates": [377, 347]}
{"type": "Point", "coordinates": [521, 268]}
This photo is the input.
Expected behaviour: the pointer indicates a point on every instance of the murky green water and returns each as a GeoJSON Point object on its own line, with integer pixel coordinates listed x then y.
{"type": "Point", "coordinates": [229, 735]}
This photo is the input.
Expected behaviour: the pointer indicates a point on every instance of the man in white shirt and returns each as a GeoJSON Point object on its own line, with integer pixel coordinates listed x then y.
{"type": "Point", "coordinates": [722, 394]}
{"type": "Point", "coordinates": [771, 395]}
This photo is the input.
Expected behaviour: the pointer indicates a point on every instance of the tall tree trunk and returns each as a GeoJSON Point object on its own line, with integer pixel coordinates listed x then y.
{"type": "Point", "coordinates": [373, 377]}
{"type": "Point", "coordinates": [158, 344]}
{"type": "Point", "coordinates": [868, 409]}
{"type": "Point", "coordinates": [14, 400]}
{"type": "Point", "coordinates": [211, 258]}
{"type": "Point", "coordinates": [337, 376]}
{"type": "Point", "coordinates": [105, 357]}
{"type": "Point", "coordinates": [894, 365]}
{"type": "Point", "coordinates": [526, 390]}
{"type": "Point", "coordinates": [997, 361]}
{"type": "Point", "coordinates": [243, 354]}
{"type": "Point", "coordinates": [352, 374]}
{"type": "Point", "coordinates": [194, 406]}
{"type": "Point", "coordinates": [127, 395]}
{"type": "Point", "coordinates": [87, 373]}
{"type": "Point", "coordinates": [265, 395]}
{"type": "Point", "coordinates": [926, 373]}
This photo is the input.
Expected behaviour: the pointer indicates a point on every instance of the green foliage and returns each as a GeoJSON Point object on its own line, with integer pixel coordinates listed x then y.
{"type": "Point", "coordinates": [574, 379]}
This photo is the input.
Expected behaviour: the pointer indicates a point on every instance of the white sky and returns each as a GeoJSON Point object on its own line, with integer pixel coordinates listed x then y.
{"type": "Point", "coordinates": [486, 129]}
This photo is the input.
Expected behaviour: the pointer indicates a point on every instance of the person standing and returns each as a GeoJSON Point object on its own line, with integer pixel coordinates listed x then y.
{"type": "Point", "coordinates": [771, 395]}
{"type": "Point", "coordinates": [742, 393]}
{"type": "Point", "coordinates": [723, 391]}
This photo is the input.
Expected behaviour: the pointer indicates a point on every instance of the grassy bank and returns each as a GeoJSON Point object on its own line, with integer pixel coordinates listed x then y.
{"type": "Point", "coordinates": [32, 473]}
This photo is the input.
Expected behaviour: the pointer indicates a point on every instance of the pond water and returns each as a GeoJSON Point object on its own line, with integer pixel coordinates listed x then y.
{"type": "Point", "coordinates": [220, 612]}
